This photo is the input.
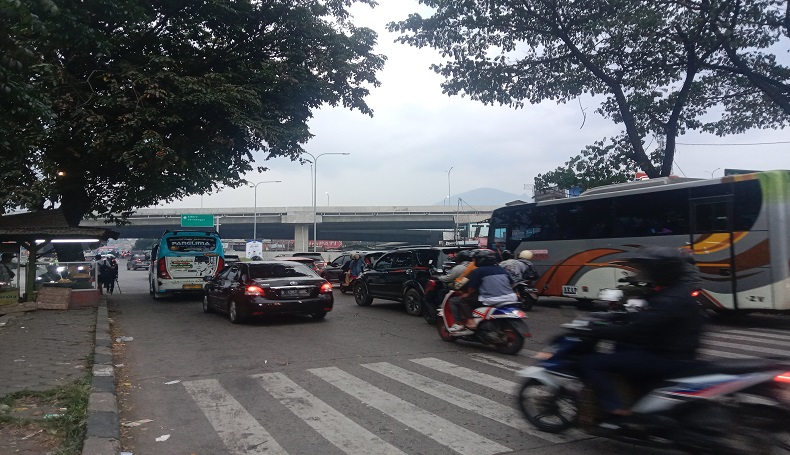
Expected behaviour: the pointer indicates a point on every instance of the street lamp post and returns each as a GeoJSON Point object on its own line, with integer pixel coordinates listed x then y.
{"type": "Point", "coordinates": [449, 193]}
{"type": "Point", "coordinates": [315, 184]}
{"type": "Point", "coordinates": [327, 198]}
{"type": "Point", "coordinates": [255, 210]}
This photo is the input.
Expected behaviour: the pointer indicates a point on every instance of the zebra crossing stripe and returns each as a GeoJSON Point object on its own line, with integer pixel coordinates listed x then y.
{"type": "Point", "coordinates": [730, 336]}
{"type": "Point", "coordinates": [463, 399]}
{"type": "Point", "coordinates": [338, 429]}
{"type": "Point", "coordinates": [744, 347]}
{"type": "Point", "coordinates": [441, 430]}
{"type": "Point", "coordinates": [468, 374]}
{"type": "Point", "coordinates": [239, 430]}
{"type": "Point", "coordinates": [759, 334]}
{"type": "Point", "coordinates": [729, 355]}
{"type": "Point", "coordinates": [498, 362]}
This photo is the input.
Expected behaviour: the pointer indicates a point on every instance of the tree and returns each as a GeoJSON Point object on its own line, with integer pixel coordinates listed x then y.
{"type": "Point", "coordinates": [603, 163]}
{"type": "Point", "coordinates": [145, 101]}
{"type": "Point", "coordinates": [661, 65]}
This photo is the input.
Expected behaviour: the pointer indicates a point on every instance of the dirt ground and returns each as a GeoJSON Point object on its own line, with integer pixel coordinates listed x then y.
{"type": "Point", "coordinates": [28, 439]}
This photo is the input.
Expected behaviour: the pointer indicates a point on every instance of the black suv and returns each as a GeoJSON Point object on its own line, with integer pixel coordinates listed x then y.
{"type": "Point", "coordinates": [401, 275]}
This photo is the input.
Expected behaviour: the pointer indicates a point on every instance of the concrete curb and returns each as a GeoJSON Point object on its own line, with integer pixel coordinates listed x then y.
{"type": "Point", "coordinates": [103, 435]}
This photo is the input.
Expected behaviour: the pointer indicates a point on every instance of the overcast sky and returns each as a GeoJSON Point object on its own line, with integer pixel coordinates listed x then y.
{"type": "Point", "coordinates": [401, 156]}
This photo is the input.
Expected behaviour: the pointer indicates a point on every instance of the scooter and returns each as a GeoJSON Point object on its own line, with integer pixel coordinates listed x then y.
{"type": "Point", "coordinates": [721, 407]}
{"type": "Point", "coordinates": [526, 293]}
{"type": "Point", "coordinates": [501, 325]}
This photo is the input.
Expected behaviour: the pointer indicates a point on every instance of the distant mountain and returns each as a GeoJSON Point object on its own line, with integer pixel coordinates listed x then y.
{"type": "Point", "coordinates": [485, 196]}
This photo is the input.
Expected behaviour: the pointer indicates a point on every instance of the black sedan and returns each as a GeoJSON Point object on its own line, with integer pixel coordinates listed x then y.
{"type": "Point", "coordinates": [258, 288]}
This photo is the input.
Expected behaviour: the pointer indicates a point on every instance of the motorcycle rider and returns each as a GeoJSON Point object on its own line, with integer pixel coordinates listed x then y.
{"type": "Point", "coordinates": [525, 257]}
{"type": "Point", "coordinates": [655, 343]}
{"type": "Point", "coordinates": [462, 260]}
{"type": "Point", "coordinates": [514, 267]}
{"type": "Point", "coordinates": [489, 284]}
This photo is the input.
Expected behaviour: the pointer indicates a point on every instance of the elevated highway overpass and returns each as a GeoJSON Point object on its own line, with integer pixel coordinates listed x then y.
{"type": "Point", "coordinates": [412, 224]}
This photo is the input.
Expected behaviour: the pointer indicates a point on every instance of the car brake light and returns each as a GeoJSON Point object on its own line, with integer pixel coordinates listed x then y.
{"type": "Point", "coordinates": [695, 294]}
{"type": "Point", "coordinates": [254, 290]}
{"type": "Point", "coordinates": [326, 287]}
{"type": "Point", "coordinates": [784, 377]}
{"type": "Point", "coordinates": [162, 269]}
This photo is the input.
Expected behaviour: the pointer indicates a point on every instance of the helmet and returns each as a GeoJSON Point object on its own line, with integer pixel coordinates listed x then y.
{"type": "Point", "coordinates": [463, 256]}
{"type": "Point", "coordinates": [506, 254]}
{"type": "Point", "coordinates": [110, 256]}
{"type": "Point", "coordinates": [485, 257]}
{"type": "Point", "coordinates": [659, 265]}
{"type": "Point", "coordinates": [526, 255]}
{"type": "Point", "coordinates": [355, 256]}
{"type": "Point", "coordinates": [256, 258]}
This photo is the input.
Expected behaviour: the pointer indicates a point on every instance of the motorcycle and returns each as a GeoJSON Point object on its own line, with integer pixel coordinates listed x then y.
{"type": "Point", "coordinates": [501, 325]}
{"type": "Point", "coordinates": [719, 407]}
{"type": "Point", "coordinates": [347, 286]}
{"type": "Point", "coordinates": [526, 293]}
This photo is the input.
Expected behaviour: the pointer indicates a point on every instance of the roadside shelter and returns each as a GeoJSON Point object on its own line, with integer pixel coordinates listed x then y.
{"type": "Point", "coordinates": [36, 230]}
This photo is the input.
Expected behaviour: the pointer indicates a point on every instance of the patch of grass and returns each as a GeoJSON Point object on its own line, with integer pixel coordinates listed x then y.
{"type": "Point", "coordinates": [69, 424]}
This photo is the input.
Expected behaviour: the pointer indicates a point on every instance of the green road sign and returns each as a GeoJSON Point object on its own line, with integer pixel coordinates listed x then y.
{"type": "Point", "coordinates": [197, 220]}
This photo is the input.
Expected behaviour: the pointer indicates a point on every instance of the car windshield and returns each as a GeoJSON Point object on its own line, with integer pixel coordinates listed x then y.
{"type": "Point", "coordinates": [263, 271]}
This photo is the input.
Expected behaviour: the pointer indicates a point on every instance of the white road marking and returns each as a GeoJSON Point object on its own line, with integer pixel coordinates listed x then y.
{"type": "Point", "coordinates": [468, 374]}
{"type": "Point", "coordinates": [759, 334]}
{"type": "Point", "coordinates": [731, 336]}
{"type": "Point", "coordinates": [239, 430]}
{"type": "Point", "coordinates": [338, 429]}
{"type": "Point", "coordinates": [466, 400]}
{"type": "Point", "coordinates": [494, 361]}
{"type": "Point", "coordinates": [443, 431]}
{"type": "Point", "coordinates": [746, 347]}
{"type": "Point", "coordinates": [730, 355]}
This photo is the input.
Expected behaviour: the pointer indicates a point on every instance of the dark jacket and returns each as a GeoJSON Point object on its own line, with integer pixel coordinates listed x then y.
{"type": "Point", "coordinates": [671, 327]}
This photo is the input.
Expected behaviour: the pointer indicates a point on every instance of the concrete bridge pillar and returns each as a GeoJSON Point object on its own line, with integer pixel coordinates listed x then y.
{"type": "Point", "coordinates": [303, 222]}
{"type": "Point", "coordinates": [301, 237]}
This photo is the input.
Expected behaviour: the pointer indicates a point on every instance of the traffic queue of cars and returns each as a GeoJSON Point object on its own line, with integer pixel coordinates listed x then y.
{"type": "Point", "coordinates": [246, 289]}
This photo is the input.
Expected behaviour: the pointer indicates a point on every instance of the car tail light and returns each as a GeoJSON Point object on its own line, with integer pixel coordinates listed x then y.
{"type": "Point", "coordinates": [220, 266]}
{"type": "Point", "coordinates": [695, 294]}
{"type": "Point", "coordinates": [254, 290]}
{"type": "Point", "coordinates": [784, 377]}
{"type": "Point", "coordinates": [326, 287]}
{"type": "Point", "coordinates": [162, 269]}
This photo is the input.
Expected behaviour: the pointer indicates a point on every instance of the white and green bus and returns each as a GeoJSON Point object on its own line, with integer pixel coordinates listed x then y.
{"type": "Point", "coordinates": [736, 227]}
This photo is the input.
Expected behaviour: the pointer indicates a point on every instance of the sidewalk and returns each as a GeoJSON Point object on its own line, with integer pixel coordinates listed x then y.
{"type": "Point", "coordinates": [43, 349]}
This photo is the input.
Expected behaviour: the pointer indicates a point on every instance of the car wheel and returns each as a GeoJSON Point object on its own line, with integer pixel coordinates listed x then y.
{"type": "Point", "coordinates": [413, 301]}
{"type": "Point", "coordinates": [318, 315]}
{"type": "Point", "coordinates": [233, 313]}
{"type": "Point", "coordinates": [361, 294]}
{"type": "Point", "coordinates": [206, 307]}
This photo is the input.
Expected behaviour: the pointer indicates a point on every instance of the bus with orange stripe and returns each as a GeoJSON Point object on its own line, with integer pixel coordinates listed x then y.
{"type": "Point", "coordinates": [735, 226]}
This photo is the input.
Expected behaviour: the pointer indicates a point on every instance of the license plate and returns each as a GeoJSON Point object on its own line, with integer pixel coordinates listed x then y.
{"type": "Point", "coordinates": [293, 293]}
{"type": "Point", "coordinates": [569, 290]}
{"type": "Point", "coordinates": [192, 286]}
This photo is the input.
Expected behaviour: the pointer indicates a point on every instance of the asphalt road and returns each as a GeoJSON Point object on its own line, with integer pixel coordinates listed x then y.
{"type": "Point", "coordinates": [366, 380]}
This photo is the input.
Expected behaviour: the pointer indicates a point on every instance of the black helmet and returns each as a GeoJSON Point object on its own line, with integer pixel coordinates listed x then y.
{"type": "Point", "coordinates": [463, 256]}
{"type": "Point", "coordinates": [660, 265]}
{"type": "Point", "coordinates": [485, 257]}
{"type": "Point", "coordinates": [506, 254]}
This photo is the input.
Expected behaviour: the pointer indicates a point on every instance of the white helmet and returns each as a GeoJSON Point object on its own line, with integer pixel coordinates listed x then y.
{"type": "Point", "coordinates": [526, 254]}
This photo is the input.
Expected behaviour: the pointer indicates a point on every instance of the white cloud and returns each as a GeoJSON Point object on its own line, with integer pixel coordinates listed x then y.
{"type": "Point", "coordinates": [402, 154]}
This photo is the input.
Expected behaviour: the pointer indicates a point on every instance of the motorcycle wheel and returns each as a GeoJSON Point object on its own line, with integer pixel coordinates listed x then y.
{"type": "Point", "coordinates": [443, 333]}
{"type": "Point", "coordinates": [549, 409]}
{"type": "Point", "coordinates": [514, 343]}
{"type": "Point", "coordinates": [527, 302]}
{"type": "Point", "coordinates": [429, 314]}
